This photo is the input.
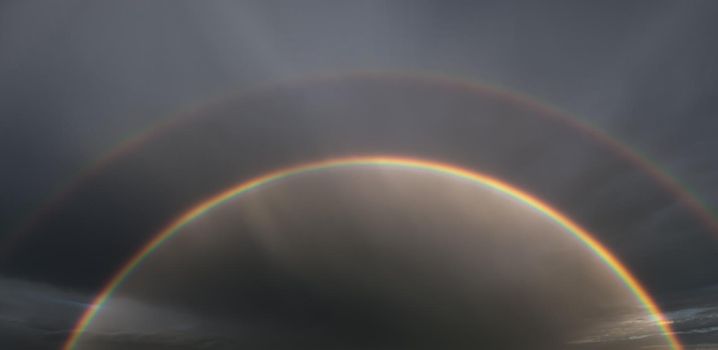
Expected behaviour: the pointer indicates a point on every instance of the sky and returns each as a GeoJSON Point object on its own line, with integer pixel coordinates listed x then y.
{"type": "Point", "coordinates": [118, 116]}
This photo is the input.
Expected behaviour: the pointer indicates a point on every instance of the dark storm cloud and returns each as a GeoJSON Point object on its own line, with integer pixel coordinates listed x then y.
{"type": "Point", "coordinates": [103, 69]}
{"type": "Point", "coordinates": [37, 315]}
{"type": "Point", "coordinates": [40, 316]}
{"type": "Point", "coordinates": [117, 210]}
{"type": "Point", "coordinates": [693, 315]}
{"type": "Point", "coordinates": [77, 77]}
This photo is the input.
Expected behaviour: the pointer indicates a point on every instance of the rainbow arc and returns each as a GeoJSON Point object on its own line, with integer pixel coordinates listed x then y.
{"type": "Point", "coordinates": [587, 239]}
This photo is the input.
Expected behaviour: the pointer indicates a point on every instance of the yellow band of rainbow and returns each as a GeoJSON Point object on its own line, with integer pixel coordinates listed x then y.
{"type": "Point", "coordinates": [582, 235]}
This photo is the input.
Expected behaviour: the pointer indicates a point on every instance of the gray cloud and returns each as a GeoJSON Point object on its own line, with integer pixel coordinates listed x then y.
{"type": "Point", "coordinates": [78, 77]}
{"type": "Point", "coordinates": [37, 315]}
{"type": "Point", "coordinates": [242, 136]}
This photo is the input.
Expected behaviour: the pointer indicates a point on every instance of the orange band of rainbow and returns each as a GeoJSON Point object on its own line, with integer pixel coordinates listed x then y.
{"type": "Point", "coordinates": [582, 235]}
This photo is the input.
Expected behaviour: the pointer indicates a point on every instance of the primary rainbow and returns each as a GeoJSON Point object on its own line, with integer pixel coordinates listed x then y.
{"type": "Point", "coordinates": [582, 235]}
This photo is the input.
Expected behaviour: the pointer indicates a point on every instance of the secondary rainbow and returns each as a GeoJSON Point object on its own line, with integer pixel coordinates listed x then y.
{"type": "Point", "coordinates": [672, 184]}
{"type": "Point", "coordinates": [581, 234]}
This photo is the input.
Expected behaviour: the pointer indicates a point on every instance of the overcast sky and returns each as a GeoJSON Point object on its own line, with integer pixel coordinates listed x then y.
{"type": "Point", "coordinates": [259, 85]}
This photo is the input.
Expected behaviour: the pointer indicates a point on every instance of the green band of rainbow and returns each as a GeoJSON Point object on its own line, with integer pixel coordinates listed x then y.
{"type": "Point", "coordinates": [582, 235]}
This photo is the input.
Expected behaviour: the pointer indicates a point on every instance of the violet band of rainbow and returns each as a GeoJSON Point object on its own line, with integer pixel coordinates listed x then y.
{"type": "Point", "coordinates": [620, 270]}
